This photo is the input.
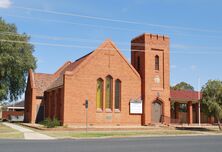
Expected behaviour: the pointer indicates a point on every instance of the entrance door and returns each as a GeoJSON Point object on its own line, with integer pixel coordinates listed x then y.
{"type": "Point", "coordinates": [156, 112]}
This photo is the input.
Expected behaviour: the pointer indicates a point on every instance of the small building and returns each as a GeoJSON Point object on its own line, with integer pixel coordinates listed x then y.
{"type": "Point", "coordinates": [185, 107]}
{"type": "Point", "coordinates": [13, 112]}
{"type": "Point", "coordinates": [18, 106]}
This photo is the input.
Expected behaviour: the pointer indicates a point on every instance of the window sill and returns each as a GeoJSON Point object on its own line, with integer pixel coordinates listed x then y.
{"type": "Point", "coordinates": [117, 111]}
{"type": "Point", "coordinates": [99, 110]}
{"type": "Point", "coordinates": [108, 110]}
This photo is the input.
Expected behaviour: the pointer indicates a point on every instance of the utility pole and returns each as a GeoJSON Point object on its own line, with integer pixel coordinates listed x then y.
{"type": "Point", "coordinates": [86, 107]}
{"type": "Point", "coordinates": [199, 121]}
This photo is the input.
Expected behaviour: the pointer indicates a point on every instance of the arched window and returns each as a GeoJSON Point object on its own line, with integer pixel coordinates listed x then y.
{"type": "Point", "coordinates": [99, 94]}
{"type": "Point", "coordinates": [117, 94]}
{"type": "Point", "coordinates": [108, 103]}
{"type": "Point", "coordinates": [157, 62]}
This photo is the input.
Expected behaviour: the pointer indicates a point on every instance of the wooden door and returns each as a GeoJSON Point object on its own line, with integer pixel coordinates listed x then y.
{"type": "Point", "coordinates": [156, 112]}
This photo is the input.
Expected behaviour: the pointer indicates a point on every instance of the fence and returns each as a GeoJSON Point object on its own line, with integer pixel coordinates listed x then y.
{"type": "Point", "coordinates": [7, 114]}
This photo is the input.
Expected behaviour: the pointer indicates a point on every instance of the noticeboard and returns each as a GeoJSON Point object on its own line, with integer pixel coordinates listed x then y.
{"type": "Point", "coordinates": [136, 107]}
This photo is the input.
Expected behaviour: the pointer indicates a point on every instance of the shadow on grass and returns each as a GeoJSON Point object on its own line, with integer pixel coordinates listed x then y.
{"type": "Point", "coordinates": [193, 128]}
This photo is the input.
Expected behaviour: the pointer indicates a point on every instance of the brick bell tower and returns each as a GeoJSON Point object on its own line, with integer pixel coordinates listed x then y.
{"type": "Point", "coordinates": [150, 57]}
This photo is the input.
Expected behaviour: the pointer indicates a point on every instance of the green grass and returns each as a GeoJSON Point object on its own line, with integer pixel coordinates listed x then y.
{"type": "Point", "coordinates": [9, 133]}
{"type": "Point", "coordinates": [97, 134]}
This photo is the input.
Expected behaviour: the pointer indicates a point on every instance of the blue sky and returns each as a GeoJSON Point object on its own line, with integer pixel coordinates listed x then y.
{"type": "Point", "coordinates": [194, 28]}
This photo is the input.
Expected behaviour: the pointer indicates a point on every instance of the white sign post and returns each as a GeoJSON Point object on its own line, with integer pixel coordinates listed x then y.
{"type": "Point", "coordinates": [136, 107]}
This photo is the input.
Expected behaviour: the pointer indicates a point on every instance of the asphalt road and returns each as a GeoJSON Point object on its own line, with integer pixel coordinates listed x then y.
{"type": "Point", "coordinates": [152, 144]}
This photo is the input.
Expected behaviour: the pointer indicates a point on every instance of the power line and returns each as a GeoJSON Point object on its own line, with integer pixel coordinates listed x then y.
{"type": "Point", "coordinates": [49, 37]}
{"type": "Point", "coordinates": [63, 38]}
{"type": "Point", "coordinates": [58, 38]}
{"type": "Point", "coordinates": [68, 38]}
{"type": "Point", "coordinates": [115, 20]}
{"type": "Point", "coordinates": [53, 44]}
{"type": "Point", "coordinates": [106, 27]}
{"type": "Point", "coordinates": [90, 47]}
{"type": "Point", "coordinates": [72, 23]}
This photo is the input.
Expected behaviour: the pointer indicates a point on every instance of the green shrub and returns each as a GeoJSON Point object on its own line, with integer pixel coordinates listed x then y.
{"type": "Point", "coordinates": [51, 123]}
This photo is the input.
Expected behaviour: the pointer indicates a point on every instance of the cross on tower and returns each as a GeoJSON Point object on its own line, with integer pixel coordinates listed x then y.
{"type": "Point", "coordinates": [109, 54]}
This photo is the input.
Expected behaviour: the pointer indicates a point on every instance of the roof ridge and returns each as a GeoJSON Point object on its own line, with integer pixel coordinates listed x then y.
{"type": "Point", "coordinates": [62, 68]}
{"type": "Point", "coordinates": [129, 64]}
{"type": "Point", "coordinates": [44, 74]}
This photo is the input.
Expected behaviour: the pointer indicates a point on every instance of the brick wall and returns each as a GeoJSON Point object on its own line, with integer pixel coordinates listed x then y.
{"type": "Point", "coordinates": [30, 98]}
{"type": "Point", "coordinates": [81, 85]}
{"type": "Point", "coordinates": [155, 83]}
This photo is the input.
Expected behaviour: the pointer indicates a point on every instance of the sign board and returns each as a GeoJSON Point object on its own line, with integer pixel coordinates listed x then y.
{"type": "Point", "coordinates": [136, 107]}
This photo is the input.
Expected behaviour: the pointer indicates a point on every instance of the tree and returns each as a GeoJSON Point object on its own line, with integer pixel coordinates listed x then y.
{"type": "Point", "coordinates": [183, 86]}
{"type": "Point", "coordinates": [212, 99]}
{"type": "Point", "coordinates": [16, 58]}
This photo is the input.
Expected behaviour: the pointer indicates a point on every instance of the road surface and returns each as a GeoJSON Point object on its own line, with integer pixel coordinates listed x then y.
{"type": "Point", "coordinates": [151, 144]}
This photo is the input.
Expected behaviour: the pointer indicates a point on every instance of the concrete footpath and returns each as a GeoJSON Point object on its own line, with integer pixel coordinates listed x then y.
{"type": "Point", "coordinates": [28, 133]}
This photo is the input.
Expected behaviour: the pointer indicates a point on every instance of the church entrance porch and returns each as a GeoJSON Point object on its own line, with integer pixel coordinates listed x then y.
{"type": "Point", "coordinates": [186, 107]}
{"type": "Point", "coordinates": [187, 113]}
{"type": "Point", "coordinates": [157, 111]}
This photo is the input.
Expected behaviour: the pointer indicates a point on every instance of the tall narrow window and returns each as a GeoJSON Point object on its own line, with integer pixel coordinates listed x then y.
{"type": "Point", "coordinates": [138, 63]}
{"type": "Point", "coordinates": [117, 94]}
{"type": "Point", "coordinates": [108, 103]}
{"type": "Point", "coordinates": [157, 62]}
{"type": "Point", "coordinates": [99, 94]}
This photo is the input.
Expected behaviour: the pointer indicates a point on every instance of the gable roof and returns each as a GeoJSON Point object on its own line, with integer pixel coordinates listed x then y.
{"type": "Point", "coordinates": [59, 80]}
{"type": "Point", "coordinates": [85, 60]}
{"type": "Point", "coordinates": [103, 47]}
{"type": "Point", "coordinates": [108, 41]}
{"type": "Point", "coordinates": [43, 82]}
{"type": "Point", "coordinates": [184, 95]}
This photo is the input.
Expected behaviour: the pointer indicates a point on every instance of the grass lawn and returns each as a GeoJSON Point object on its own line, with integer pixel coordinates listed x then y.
{"type": "Point", "coordinates": [9, 133]}
{"type": "Point", "coordinates": [95, 134]}
{"type": "Point", "coordinates": [162, 131]}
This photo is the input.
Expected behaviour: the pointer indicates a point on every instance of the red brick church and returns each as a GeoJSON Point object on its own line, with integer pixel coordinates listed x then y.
{"type": "Point", "coordinates": [118, 92]}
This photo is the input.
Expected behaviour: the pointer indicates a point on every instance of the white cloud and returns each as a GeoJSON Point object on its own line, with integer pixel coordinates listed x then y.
{"type": "Point", "coordinates": [5, 3]}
